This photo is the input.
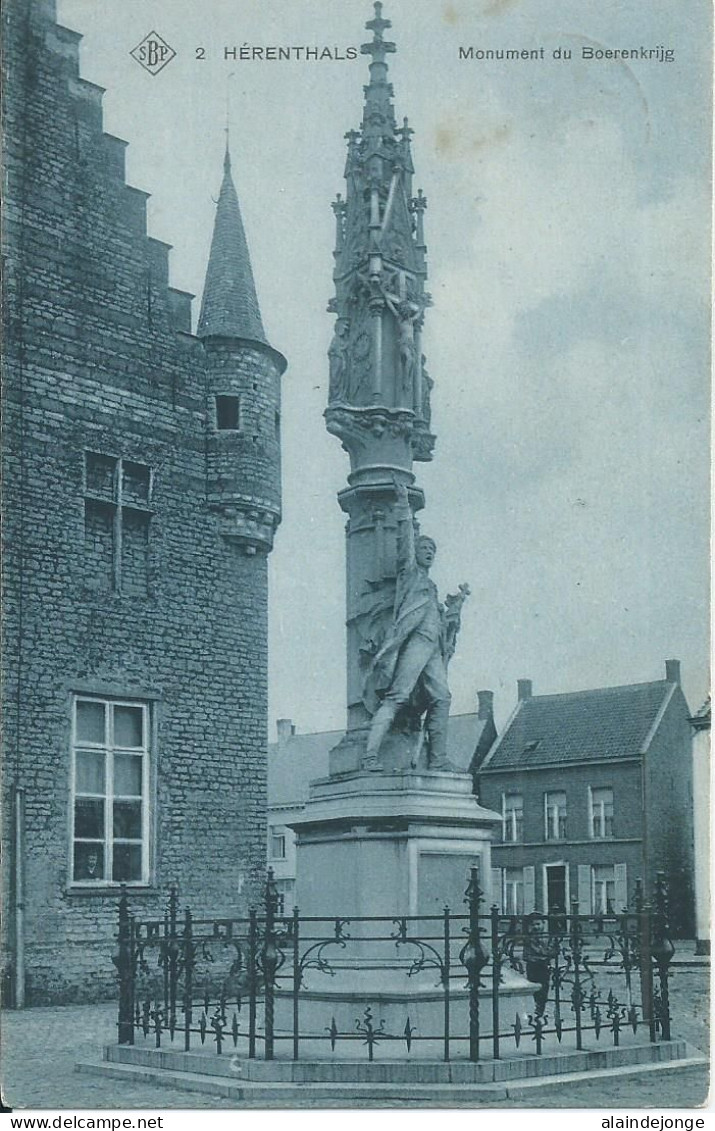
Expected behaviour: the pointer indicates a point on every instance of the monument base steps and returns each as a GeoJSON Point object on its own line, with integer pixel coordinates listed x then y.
{"type": "Point", "coordinates": [380, 1083]}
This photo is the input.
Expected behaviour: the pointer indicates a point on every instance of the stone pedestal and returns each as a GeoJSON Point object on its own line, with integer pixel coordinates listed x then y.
{"type": "Point", "coordinates": [392, 844]}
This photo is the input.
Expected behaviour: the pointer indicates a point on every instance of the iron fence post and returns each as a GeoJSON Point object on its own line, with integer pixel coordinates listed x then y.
{"type": "Point", "coordinates": [662, 950]}
{"type": "Point", "coordinates": [645, 964]}
{"type": "Point", "coordinates": [188, 978]}
{"type": "Point", "coordinates": [474, 959]}
{"type": "Point", "coordinates": [576, 954]}
{"type": "Point", "coordinates": [164, 953]}
{"type": "Point", "coordinates": [269, 963]}
{"type": "Point", "coordinates": [445, 982]}
{"type": "Point", "coordinates": [296, 982]}
{"type": "Point", "coordinates": [252, 981]}
{"type": "Point", "coordinates": [125, 971]}
{"type": "Point", "coordinates": [173, 958]}
{"type": "Point", "coordinates": [496, 979]}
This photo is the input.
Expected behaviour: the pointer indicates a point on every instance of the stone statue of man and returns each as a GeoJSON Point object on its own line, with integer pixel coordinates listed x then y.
{"type": "Point", "coordinates": [406, 314]}
{"type": "Point", "coordinates": [417, 646]}
{"type": "Point", "coordinates": [338, 360]}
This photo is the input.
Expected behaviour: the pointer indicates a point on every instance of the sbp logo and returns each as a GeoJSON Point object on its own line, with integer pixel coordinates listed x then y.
{"type": "Point", "coordinates": [153, 53]}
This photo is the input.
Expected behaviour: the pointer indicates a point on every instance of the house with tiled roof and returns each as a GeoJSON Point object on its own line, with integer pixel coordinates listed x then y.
{"type": "Point", "coordinates": [595, 789]}
{"type": "Point", "coordinates": [297, 759]}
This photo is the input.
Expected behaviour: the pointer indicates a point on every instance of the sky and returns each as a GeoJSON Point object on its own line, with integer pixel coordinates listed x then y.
{"type": "Point", "coordinates": [568, 255]}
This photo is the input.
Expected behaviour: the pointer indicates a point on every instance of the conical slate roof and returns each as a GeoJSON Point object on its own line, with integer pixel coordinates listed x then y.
{"type": "Point", "coordinates": [230, 305]}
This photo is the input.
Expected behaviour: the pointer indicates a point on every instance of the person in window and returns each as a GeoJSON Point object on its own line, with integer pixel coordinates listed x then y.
{"type": "Point", "coordinates": [537, 959]}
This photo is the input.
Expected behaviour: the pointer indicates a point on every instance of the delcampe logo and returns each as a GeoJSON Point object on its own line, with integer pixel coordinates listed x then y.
{"type": "Point", "coordinates": [153, 53]}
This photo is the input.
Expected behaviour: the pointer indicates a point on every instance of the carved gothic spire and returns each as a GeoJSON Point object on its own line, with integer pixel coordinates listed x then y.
{"type": "Point", "coordinates": [376, 356]}
{"type": "Point", "coordinates": [230, 305]}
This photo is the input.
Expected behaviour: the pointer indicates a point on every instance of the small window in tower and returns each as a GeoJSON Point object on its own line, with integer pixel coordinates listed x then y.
{"type": "Point", "coordinates": [228, 414]}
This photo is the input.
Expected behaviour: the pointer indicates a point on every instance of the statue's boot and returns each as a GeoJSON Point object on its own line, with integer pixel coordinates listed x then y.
{"type": "Point", "coordinates": [381, 723]}
{"type": "Point", "coordinates": [436, 726]}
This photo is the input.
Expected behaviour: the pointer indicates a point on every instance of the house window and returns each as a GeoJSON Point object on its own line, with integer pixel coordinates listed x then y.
{"type": "Point", "coordinates": [278, 845]}
{"type": "Point", "coordinates": [604, 891]}
{"type": "Point", "coordinates": [110, 775]}
{"type": "Point", "coordinates": [601, 803]}
{"type": "Point", "coordinates": [513, 817]}
{"type": "Point", "coordinates": [117, 496]}
{"type": "Point", "coordinates": [228, 413]}
{"type": "Point", "coordinates": [555, 816]}
{"type": "Point", "coordinates": [513, 891]}
{"type": "Point", "coordinates": [284, 901]}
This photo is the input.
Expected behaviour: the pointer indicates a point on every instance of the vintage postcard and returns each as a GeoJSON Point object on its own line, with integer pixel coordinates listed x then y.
{"type": "Point", "coordinates": [356, 383]}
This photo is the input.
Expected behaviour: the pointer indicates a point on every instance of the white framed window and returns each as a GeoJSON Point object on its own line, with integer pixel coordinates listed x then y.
{"type": "Point", "coordinates": [601, 812]}
{"type": "Point", "coordinates": [555, 816]}
{"type": "Point", "coordinates": [512, 817]}
{"type": "Point", "coordinates": [513, 891]}
{"type": "Point", "coordinates": [284, 901]}
{"type": "Point", "coordinates": [604, 890]}
{"type": "Point", "coordinates": [277, 847]}
{"type": "Point", "coordinates": [110, 791]}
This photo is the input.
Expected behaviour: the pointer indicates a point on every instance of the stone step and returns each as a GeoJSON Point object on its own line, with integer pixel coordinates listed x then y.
{"type": "Point", "coordinates": [335, 1070]}
{"type": "Point", "coordinates": [375, 1095]}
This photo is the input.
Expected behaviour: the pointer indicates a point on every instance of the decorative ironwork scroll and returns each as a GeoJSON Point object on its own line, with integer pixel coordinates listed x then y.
{"type": "Point", "coordinates": [592, 977]}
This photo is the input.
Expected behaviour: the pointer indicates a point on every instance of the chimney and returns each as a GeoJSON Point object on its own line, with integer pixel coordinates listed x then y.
{"type": "Point", "coordinates": [523, 689]}
{"type": "Point", "coordinates": [285, 730]}
{"type": "Point", "coordinates": [486, 704]}
{"type": "Point", "coordinates": [672, 671]}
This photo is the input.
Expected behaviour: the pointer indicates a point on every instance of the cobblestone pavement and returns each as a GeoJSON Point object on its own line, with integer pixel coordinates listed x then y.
{"type": "Point", "coordinates": [42, 1046]}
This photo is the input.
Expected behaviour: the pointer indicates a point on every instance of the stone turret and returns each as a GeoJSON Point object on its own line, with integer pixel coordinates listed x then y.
{"type": "Point", "coordinates": [243, 387]}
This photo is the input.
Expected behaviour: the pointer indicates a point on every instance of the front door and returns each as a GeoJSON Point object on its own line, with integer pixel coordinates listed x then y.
{"type": "Point", "coordinates": [556, 897]}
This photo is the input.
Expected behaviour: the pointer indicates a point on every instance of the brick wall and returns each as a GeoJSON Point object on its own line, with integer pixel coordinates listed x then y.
{"type": "Point", "coordinates": [578, 849]}
{"type": "Point", "coordinates": [669, 786]}
{"type": "Point", "coordinates": [97, 359]}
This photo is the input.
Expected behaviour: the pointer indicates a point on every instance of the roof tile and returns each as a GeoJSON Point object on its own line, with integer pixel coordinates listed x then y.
{"type": "Point", "coordinates": [230, 304]}
{"type": "Point", "coordinates": [609, 722]}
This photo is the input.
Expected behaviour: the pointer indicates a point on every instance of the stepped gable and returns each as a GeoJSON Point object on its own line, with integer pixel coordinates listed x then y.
{"type": "Point", "coordinates": [99, 176]}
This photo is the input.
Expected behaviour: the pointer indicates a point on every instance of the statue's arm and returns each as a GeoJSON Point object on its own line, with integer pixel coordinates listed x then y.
{"type": "Point", "coordinates": [405, 530]}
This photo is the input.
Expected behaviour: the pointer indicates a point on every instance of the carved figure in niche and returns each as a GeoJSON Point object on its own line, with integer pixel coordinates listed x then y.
{"type": "Point", "coordinates": [338, 359]}
{"type": "Point", "coordinates": [360, 372]}
{"type": "Point", "coordinates": [411, 665]}
{"type": "Point", "coordinates": [406, 315]}
{"type": "Point", "coordinates": [425, 409]}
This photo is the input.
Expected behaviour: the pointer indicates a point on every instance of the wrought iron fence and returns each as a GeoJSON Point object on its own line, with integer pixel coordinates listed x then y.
{"type": "Point", "coordinates": [219, 981]}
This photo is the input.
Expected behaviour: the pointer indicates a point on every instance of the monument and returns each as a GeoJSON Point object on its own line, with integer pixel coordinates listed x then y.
{"type": "Point", "coordinates": [393, 830]}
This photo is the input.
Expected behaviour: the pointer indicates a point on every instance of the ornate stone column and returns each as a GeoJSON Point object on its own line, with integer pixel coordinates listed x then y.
{"type": "Point", "coordinates": [379, 391]}
{"type": "Point", "coordinates": [402, 841]}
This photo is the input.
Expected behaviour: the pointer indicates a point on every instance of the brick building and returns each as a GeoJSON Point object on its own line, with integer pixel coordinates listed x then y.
{"type": "Point", "coordinates": [141, 493]}
{"type": "Point", "coordinates": [595, 790]}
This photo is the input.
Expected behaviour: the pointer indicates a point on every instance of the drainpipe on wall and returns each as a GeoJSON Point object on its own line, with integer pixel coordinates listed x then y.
{"type": "Point", "coordinates": [19, 898]}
